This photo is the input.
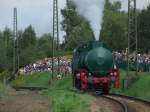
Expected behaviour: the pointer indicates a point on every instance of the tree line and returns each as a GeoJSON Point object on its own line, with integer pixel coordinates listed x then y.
{"type": "Point", "coordinates": [31, 48]}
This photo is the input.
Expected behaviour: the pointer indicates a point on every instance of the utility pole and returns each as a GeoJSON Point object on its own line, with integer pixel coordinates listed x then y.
{"type": "Point", "coordinates": [132, 32]}
{"type": "Point", "coordinates": [55, 36]}
{"type": "Point", "coordinates": [16, 45]}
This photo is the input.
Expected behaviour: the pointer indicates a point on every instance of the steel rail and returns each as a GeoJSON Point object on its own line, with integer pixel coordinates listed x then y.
{"type": "Point", "coordinates": [17, 88]}
{"type": "Point", "coordinates": [122, 104]}
{"type": "Point", "coordinates": [130, 98]}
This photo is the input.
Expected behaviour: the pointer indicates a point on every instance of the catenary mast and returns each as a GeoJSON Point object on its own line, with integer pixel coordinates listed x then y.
{"type": "Point", "coordinates": [55, 37]}
{"type": "Point", "coordinates": [132, 32]}
{"type": "Point", "coordinates": [16, 44]}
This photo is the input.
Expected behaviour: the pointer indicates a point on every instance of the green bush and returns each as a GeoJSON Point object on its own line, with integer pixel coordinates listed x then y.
{"type": "Point", "coordinates": [5, 75]}
{"type": "Point", "coordinates": [3, 91]}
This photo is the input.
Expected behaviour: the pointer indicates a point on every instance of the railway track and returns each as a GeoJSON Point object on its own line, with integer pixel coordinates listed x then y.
{"type": "Point", "coordinates": [131, 98]}
{"type": "Point", "coordinates": [126, 103]}
{"type": "Point", "coordinates": [123, 107]}
{"type": "Point", "coordinates": [18, 88]}
{"type": "Point", "coordinates": [131, 104]}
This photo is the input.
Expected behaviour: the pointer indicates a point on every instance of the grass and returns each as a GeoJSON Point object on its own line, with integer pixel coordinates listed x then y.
{"type": "Point", "coordinates": [122, 73]}
{"type": "Point", "coordinates": [3, 91]}
{"type": "Point", "coordinates": [138, 89]}
{"type": "Point", "coordinates": [2, 110]}
{"type": "Point", "coordinates": [34, 80]}
{"type": "Point", "coordinates": [66, 100]}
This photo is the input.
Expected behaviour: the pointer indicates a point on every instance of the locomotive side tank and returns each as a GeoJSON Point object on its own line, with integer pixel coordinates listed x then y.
{"type": "Point", "coordinates": [93, 67]}
{"type": "Point", "coordinates": [99, 59]}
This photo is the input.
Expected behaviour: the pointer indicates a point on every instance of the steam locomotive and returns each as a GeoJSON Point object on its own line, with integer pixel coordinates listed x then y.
{"type": "Point", "coordinates": [93, 68]}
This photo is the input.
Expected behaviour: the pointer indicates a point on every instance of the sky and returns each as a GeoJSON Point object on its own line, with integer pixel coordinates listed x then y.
{"type": "Point", "coordinates": [38, 13]}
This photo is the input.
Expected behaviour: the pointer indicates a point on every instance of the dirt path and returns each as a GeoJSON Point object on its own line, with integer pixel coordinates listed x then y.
{"type": "Point", "coordinates": [25, 101]}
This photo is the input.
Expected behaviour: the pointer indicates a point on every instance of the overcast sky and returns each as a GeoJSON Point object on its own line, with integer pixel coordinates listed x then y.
{"type": "Point", "coordinates": [38, 13]}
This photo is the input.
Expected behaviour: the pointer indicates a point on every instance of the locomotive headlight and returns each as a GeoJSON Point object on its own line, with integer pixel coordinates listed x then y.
{"type": "Point", "coordinates": [111, 74]}
{"type": "Point", "coordinates": [90, 74]}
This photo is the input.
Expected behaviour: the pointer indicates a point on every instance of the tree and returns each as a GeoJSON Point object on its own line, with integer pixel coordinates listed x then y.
{"type": "Point", "coordinates": [28, 37]}
{"type": "Point", "coordinates": [7, 34]}
{"type": "Point", "coordinates": [114, 26]}
{"type": "Point", "coordinates": [31, 48]}
{"type": "Point", "coordinates": [144, 30]}
{"type": "Point", "coordinates": [45, 45]}
{"type": "Point", "coordinates": [6, 49]}
{"type": "Point", "coordinates": [2, 56]}
{"type": "Point", "coordinates": [77, 28]}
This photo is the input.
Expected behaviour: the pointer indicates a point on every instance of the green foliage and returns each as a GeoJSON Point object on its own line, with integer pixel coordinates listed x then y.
{"type": "Point", "coordinates": [65, 84]}
{"type": "Point", "coordinates": [31, 48]}
{"type": "Point", "coordinates": [65, 100]}
{"type": "Point", "coordinates": [44, 45]}
{"type": "Point", "coordinates": [77, 28]}
{"type": "Point", "coordinates": [28, 46]}
{"type": "Point", "coordinates": [114, 26]}
{"type": "Point", "coordinates": [142, 84]}
{"type": "Point", "coordinates": [77, 38]}
{"type": "Point", "coordinates": [28, 37]}
{"type": "Point", "coordinates": [115, 30]}
{"type": "Point", "coordinates": [143, 30]}
{"type": "Point", "coordinates": [5, 75]}
{"type": "Point", "coordinates": [2, 56]}
{"type": "Point", "coordinates": [6, 37]}
{"type": "Point", "coordinates": [138, 89]}
{"type": "Point", "coordinates": [3, 91]}
{"type": "Point", "coordinates": [34, 80]}
{"type": "Point", "coordinates": [30, 55]}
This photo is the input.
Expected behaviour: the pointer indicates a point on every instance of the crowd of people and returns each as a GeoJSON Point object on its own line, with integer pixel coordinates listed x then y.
{"type": "Point", "coordinates": [46, 65]}
{"type": "Point", "coordinates": [143, 61]}
{"type": "Point", "coordinates": [120, 58]}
